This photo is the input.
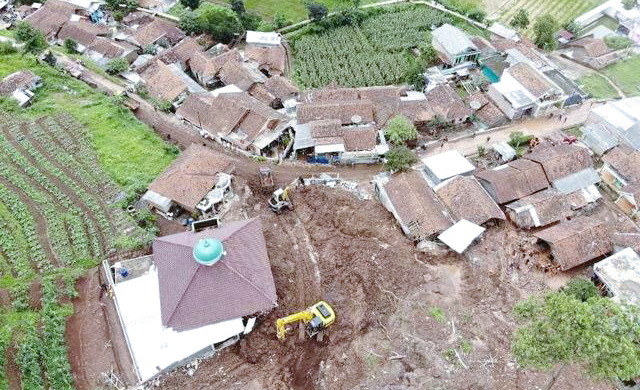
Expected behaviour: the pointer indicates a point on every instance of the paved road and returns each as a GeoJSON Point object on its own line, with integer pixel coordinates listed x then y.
{"type": "Point", "coordinates": [535, 126]}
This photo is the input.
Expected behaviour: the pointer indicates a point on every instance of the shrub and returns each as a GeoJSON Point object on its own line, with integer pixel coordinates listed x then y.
{"type": "Point", "coordinates": [149, 49]}
{"type": "Point", "coordinates": [545, 30]}
{"type": "Point", "coordinates": [280, 21]}
{"type": "Point", "coordinates": [70, 46]}
{"type": "Point", "coordinates": [237, 6]}
{"type": "Point", "coordinates": [250, 20]}
{"type": "Point", "coordinates": [24, 31]}
{"type": "Point", "coordinates": [617, 42]}
{"type": "Point", "coordinates": [189, 23]}
{"type": "Point", "coordinates": [399, 158]}
{"type": "Point", "coordinates": [477, 14]}
{"type": "Point", "coordinates": [266, 26]}
{"type": "Point", "coordinates": [317, 11]}
{"type": "Point", "coordinates": [191, 4]}
{"type": "Point", "coordinates": [520, 19]}
{"type": "Point", "coordinates": [7, 48]}
{"type": "Point", "coordinates": [581, 289]}
{"type": "Point", "coordinates": [117, 66]}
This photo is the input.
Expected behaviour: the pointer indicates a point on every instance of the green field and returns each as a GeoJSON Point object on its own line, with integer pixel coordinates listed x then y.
{"type": "Point", "coordinates": [626, 75]}
{"type": "Point", "coordinates": [294, 10]}
{"type": "Point", "coordinates": [563, 10]}
{"type": "Point", "coordinates": [377, 52]}
{"type": "Point", "coordinates": [596, 86]}
{"type": "Point", "coordinates": [129, 151]}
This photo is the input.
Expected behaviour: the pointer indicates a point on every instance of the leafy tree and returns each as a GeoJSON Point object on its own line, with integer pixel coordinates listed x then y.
{"type": "Point", "coordinates": [280, 21]}
{"type": "Point", "coordinates": [629, 4]}
{"type": "Point", "coordinates": [544, 30]}
{"type": "Point", "coordinates": [415, 75]}
{"type": "Point", "coordinates": [266, 26]}
{"type": "Point", "coordinates": [218, 21]}
{"type": "Point", "coordinates": [399, 158]}
{"type": "Point", "coordinates": [36, 44]}
{"type": "Point", "coordinates": [518, 138]}
{"type": "Point", "coordinates": [316, 11]}
{"type": "Point", "coordinates": [250, 20]}
{"type": "Point", "coordinates": [238, 6]}
{"type": "Point", "coordinates": [189, 23]}
{"type": "Point", "coordinates": [70, 46]}
{"type": "Point", "coordinates": [520, 19]}
{"type": "Point", "coordinates": [117, 15]}
{"type": "Point", "coordinates": [617, 42]}
{"type": "Point", "coordinates": [191, 4]}
{"type": "Point", "coordinates": [400, 130]}
{"type": "Point", "coordinates": [573, 27]}
{"type": "Point", "coordinates": [117, 66]}
{"type": "Point", "coordinates": [477, 14]}
{"type": "Point", "coordinates": [581, 288]}
{"type": "Point", "coordinates": [24, 31]}
{"type": "Point", "coordinates": [559, 328]}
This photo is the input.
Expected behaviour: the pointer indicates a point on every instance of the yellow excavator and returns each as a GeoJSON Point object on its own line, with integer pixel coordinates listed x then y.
{"type": "Point", "coordinates": [316, 318]}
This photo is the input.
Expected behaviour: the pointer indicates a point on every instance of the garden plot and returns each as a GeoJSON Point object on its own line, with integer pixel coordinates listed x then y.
{"type": "Point", "coordinates": [57, 218]}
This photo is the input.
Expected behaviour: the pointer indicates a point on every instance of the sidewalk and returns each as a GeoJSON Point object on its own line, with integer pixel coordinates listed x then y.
{"type": "Point", "coordinates": [538, 127]}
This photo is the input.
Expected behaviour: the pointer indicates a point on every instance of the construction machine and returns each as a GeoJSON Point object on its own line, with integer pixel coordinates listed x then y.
{"type": "Point", "coordinates": [266, 179]}
{"type": "Point", "coordinates": [281, 200]}
{"type": "Point", "coordinates": [316, 318]}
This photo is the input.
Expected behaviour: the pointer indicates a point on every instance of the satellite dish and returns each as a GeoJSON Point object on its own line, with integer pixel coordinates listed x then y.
{"type": "Point", "coordinates": [356, 119]}
{"type": "Point", "coordinates": [475, 104]}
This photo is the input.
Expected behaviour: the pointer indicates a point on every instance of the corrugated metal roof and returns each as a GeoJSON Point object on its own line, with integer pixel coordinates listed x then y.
{"type": "Point", "coordinates": [598, 138]}
{"type": "Point", "coordinates": [621, 274]}
{"type": "Point", "coordinates": [577, 181]}
{"type": "Point", "coordinates": [453, 39]}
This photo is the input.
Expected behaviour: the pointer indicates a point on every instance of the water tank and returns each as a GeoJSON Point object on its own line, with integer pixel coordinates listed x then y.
{"type": "Point", "coordinates": [208, 251]}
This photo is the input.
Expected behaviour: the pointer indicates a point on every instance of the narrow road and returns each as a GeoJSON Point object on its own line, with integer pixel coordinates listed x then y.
{"type": "Point", "coordinates": [534, 126]}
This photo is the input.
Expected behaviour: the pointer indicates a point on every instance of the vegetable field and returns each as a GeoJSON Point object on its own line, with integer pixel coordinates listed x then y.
{"type": "Point", "coordinates": [377, 52]}
{"type": "Point", "coordinates": [563, 11]}
{"type": "Point", "coordinates": [57, 217]}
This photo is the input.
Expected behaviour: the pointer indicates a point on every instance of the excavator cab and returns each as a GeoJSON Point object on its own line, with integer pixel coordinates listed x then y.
{"type": "Point", "coordinates": [280, 200]}
{"type": "Point", "coordinates": [316, 318]}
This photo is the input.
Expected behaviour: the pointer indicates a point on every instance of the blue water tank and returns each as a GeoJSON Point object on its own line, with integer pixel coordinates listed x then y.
{"type": "Point", "coordinates": [208, 251]}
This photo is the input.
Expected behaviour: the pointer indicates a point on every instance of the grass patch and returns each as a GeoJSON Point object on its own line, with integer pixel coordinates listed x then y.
{"type": "Point", "coordinates": [626, 75]}
{"type": "Point", "coordinates": [293, 10]}
{"type": "Point", "coordinates": [597, 86]}
{"type": "Point", "coordinates": [129, 151]}
{"type": "Point", "coordinates": [466, 347]}
{"type": "Point", "coordinates": [438, 314]}
{"type": "Point", "coordinates": [574, 131]}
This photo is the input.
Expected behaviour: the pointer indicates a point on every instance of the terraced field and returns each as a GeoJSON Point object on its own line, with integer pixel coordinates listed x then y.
{"type": "Point", "coordinates": [57, 217]}
{"type": "Point", "coordinates": [563, 10]}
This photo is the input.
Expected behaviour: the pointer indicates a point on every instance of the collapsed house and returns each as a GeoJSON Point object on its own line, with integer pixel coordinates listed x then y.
{"type": "Point", "coordinates": [569, 169]}
{"type": "Point", "coordinates": [540, 209]}
{"type": "Point", "coordinates": [20, 86]}
{"type": "Point", "coordinates": [513, 180]}
{"type": "Point", "coordinates": [198, 181]}
{"type": "Point", "coordinates": [196, 294]}
{"type": "Point", "coordinates": [465, 199]}
{"type": "Point", "coordinates": [620, 275]}
{"type": "Point", "coordinates": [577, 241]}
{"type": "Point", "coordinates": [235, 118]}
{"type": "Point", "coordinates": [266, 51]}
{"type": "Point", "coordinates": [413, 204]}
{"type": "Point", "coordinates": [592, 52]}
{"type": "Point", "coordinates": [621, 173]}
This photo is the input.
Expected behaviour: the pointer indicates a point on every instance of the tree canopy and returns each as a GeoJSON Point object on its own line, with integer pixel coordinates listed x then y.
{"type": "Point", "coordinates": [191, 4]}
{"type": "Point", "coordinates": [544, 30]}
{"type": "Point", "coordinates": [316, 11]}
{"type": "Point", "coordinates": [400, 129]}
{"type": "Point", "coordinates": [399, 158]}
{"type": "Point", "coordinates": [577, 325]}
{"type": "Point", "coordinates": [221, 22]}
{"type": "Point", "coordinates": [33, 40]}
{"type": "Point", "coordinates": [117, 65]}
{"type": "Point", "coordinates": [520, 19]}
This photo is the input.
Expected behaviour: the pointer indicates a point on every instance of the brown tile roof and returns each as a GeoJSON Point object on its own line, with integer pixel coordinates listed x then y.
{"type": "Point", "coordinates": [415, 203]}
{"type": "Point", "coordinates": [593, 47]}
{"type": "Point", "coordinates": [627, 240]}
{"type": "Point", "coordinates": [51, 16]}
{"type": "Point", "coordinates": [466, 199]}
{"type": "Point", "coordinates": [478, 97]}
{"type": "Point", "coordinates": [625, 161]}
{"type": "Point", "coordinates": [152, 32]}
{"type": "Point", "coordinates": [234, 72]}
{"type": "Point", "coordinates": [138, 17]}
{"type": "Point", "coordinates": [272, 58]}
{"type": "Point", "coordinates": [358, 139]}
{"type": "Point", "coordinates": [259, 92]}
{"type": "Point", "coordinates": [182, 52]}
{"type": "Point", "coordinates": [111, 48]}
{"type": "Point", "coordinates": [577, 241]}
{"type": "Point", "coordinates": [416, 110]}
{"type": "Point", "coordinates": [329, 95]}
{"type": "Point", "coordinates": [280, 87]}
{"type": "Point", "coordinates": [491, 115]}
{"type": "Point", "coordinates": [240, 284]}
{"type": "Point", "coordinates": [81, 32]}
{"type": "Point", "coordinates": [560, 160]}
{"type": "Point", "coordinates": [345, 111]}
{"type": "Point", "coordinates": [532, 80]}
{"type": "Point", "coordinates": [513, 181]}
{"type": "Point", "coordinates": [205, 67]}
{"type": "Point", "coordinates": [230, 112]}
{"type": "Point", "coordinates": [446, 102]}
{"type": "Point", "coordinates": [17, 80]}
{"type": "Point", "coordinates": [191, 176]}
{"type": "Point", "coordinates": [325, 128]}
{"type": "Point", "coordinates": [162, 83]}
{"type": "Point", "coordinates": [540, 209]}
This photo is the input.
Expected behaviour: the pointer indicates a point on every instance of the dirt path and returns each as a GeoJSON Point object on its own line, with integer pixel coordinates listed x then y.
{"type": "Point", "coordinates": [534, 126]}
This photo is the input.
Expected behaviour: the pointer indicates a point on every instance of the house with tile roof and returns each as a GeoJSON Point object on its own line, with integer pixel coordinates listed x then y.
{"type": "Point", "coordinates": [465, 199]}
{"type": "Point", "coordinates": [620, 171]}
{"type": "Point", "coordinates": [195, 295]}
{"type": "Point", "coordinates": [20, 86]}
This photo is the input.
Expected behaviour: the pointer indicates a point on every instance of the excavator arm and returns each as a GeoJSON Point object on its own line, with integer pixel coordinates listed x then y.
{"type": "Point", "coordinates": [281, 323]}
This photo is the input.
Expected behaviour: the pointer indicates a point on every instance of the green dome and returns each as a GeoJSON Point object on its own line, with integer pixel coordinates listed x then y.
{"type": "Point", "coordinates": [208, 251]}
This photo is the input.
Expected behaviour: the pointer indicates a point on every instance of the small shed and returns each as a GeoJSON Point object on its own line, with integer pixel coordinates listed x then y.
{"type": "Point", "coordinates": [620, 274]}
{"type": "Point", "coordinates": [459, 236]}
{"type": "Point", "coordinates": [263, 38]}
{"type": "Point", "coordinates": [577, 241]}
{"type": "Point", "coordinates": [443, 166]}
